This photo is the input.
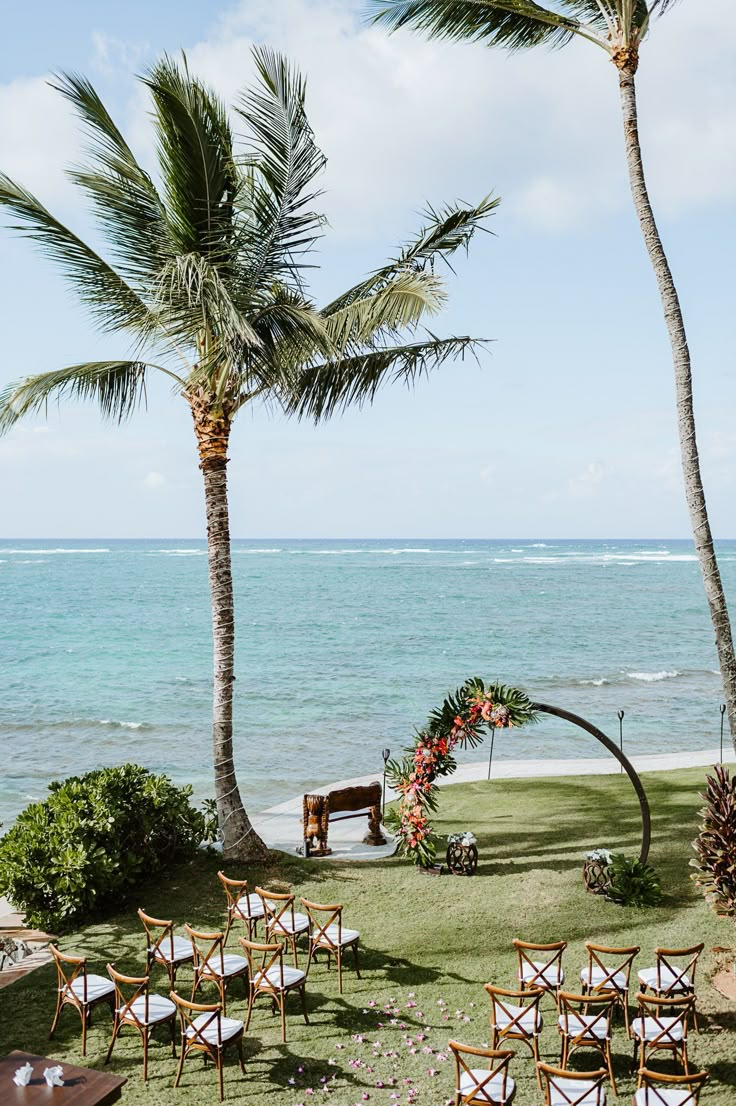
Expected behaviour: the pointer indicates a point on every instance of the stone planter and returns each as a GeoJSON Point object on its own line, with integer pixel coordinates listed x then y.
{"type": "Point", "coordinates": [596, 876]}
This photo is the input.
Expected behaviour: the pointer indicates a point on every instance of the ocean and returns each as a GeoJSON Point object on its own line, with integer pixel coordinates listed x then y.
{"type": "Point", "coordinates": [343, 648]}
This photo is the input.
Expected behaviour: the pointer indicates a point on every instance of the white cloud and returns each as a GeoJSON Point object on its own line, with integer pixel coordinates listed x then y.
{"type": "Point", "coordinates": [153, 480]}
{"type": "Point", "coordinates": [38, 138]}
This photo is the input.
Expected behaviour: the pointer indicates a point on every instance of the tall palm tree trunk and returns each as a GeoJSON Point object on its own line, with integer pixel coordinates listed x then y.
{"type": "Point", "coordinates": [213, 433]}
{"type": "Point", "coordinates": [626, 62]}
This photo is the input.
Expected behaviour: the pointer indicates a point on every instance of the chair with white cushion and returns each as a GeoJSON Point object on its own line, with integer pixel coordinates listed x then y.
{"type": "Point", "coordinates": [241, 906]}
{"type": "Point", "coordinates": [136, 1007]}
{"type": "Point", "coordinates": [163, 947]}
{"type": "Point", "coordinates": [77, 988]}
{"type": "Point", "coordinates": [213, 965]}
{"type": "Point", "coordinates": [329, 935]}
{"type": "Point", "coordinates": [585, 1022]}
{"type": "Point", "coordinates": [541, 965]}
{"type": "Point", "coordinates": [658, 1089]}
{"type": "Point", "coordinates": [515, 1016]}
{"type": "Point", "coordinates": [282, 923]}
{"type": "Point", "coordinates": [609, 969]}
{"type": "Point", "coordinates": [661, 1026]}
{"type": "Point", "coordinates": [572, 1088]}
{"type": "Point", "coordinates": [269, 976]}
{"type": "Point", "coordinates": [205, 1029]}
{"type": "Point", "coordinates": [482, 1086]}
{"type": "Point", "coordinates": [673, 974]}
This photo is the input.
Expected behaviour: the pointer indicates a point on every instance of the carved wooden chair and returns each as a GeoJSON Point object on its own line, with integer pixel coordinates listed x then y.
{"type": "Point", "coordinates": [136, 1007]}
{"type": "Point", "coordinates": [673, 974]}
{"type": "Point", "coordinates": [213, 965]}
{"type": "Point", "coordinates": [609, 969]}
{"type": "Point", "coordinates": [543, 970]}
{"type": "Point", "coordinates": [515, 1016]}
{"type": "Point", "coordinates": [269, 977]}
{"type": "Point", "coordinates": [77, 988]}
{"type": "Point", "coordinates": [241, 906]}
{"type": "Point", "coordinates": [329, 935]}
{"type": "Point", "coordinates": [662, 1026]}
{"type": "Point", "coordinates": [585, 1022]}
{"type": "Point", "coordinates": [282, 923]}
{"type": "Point", "coordinates": [572, 1088]}
{"type": "Point", "coordinates": [163, 947]}
{"type": "Point", "coordinates": [658, 1089]}
{"type": "Point", "coordinates": [482, 1086]}
{"type": "Point", "coordinates": [204, 1029]}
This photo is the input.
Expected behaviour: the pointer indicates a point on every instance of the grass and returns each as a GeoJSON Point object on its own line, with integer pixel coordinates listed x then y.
{"type": "Point", "coordinates": [428, 946]}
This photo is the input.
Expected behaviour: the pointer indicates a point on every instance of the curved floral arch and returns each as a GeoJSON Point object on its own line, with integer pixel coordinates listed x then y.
{"type": "Point", "coordinates": [461, 721]}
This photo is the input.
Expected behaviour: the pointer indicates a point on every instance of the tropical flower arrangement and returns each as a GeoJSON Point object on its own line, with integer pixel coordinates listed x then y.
{"type": "Point", "coordinates": [460, 721]}
{"type": "Point", "coordinates": [602, 856]}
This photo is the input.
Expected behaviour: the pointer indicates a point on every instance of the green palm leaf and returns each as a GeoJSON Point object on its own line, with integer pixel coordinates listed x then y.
{"type": "Point", "coordinates": [118, 387]}
{"type": "Point", "coordinates": [514, 24]}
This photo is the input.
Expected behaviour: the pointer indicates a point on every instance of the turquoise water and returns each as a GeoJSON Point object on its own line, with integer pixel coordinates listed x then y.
{"type": "Point", "coordinates": [343, 648]}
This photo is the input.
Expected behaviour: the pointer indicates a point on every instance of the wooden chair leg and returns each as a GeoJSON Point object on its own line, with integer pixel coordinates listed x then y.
{"type": "Point", "coordinates": [338, 956]}
{"type": "Point", "coordinates": [535, 1054]}
{"type": "Point", "coordinates": [293, 949]}
{"type": "Point", "coordinates": [181, 1062]}
{"type": "Point", "coordinates": [84, 1030]}
{"type": "Point", "coordinates": [609, 1062]}
{"type": "Point", "coordinates": [219, 1074]}
{"type": "Point", "coordinates": [56, 1015]}
{"type": "Point", "coordinates": [115, 1029]}
{"type": "Point", "coordinates": [223, 999]}
{"type": "Point", "coordinates": [228, 926]}
{"type": "Point", "coordinates": [282, 1004]}
{"type": "Point", "coordinates": [251, 999]}
{"type": "Point", "coordinates": [145, 1055]}
{"type": "Point", "coordinates": [310, 956]}
{"type": "Point", "coordinates": [240, 1055]}
{"type": "Point", "coordinates": [173, 1036]}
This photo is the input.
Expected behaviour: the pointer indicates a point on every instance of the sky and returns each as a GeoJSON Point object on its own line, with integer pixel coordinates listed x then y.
{"type": "Point", "coordinates": [566, 425]}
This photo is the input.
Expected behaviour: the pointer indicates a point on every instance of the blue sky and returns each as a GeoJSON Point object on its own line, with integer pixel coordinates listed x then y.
{"type": "Point", "coordinates": [567, 427]}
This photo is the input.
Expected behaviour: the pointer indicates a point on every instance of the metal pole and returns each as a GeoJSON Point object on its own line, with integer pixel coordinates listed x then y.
{"type": "Point", "coordinates": [385, 753]}
{"type": "Point", "coordinates": [723, 714]}
{"type": "Point", "coordinates": [621, 734]}
{"type": "Point", "coordinates": [490, 757]}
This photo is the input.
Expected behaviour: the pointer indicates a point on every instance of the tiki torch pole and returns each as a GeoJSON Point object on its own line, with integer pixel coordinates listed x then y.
{"type": "Point", "coordinates": [385, 753]}
{"type": "Point", "coordinates": [723, 715]}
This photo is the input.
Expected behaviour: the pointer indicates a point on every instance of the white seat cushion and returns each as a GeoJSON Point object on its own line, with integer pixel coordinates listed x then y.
{"type": "Point", "coordinates": [591, 1025]}
{"type": "Point", "coordinates": [159, 1009]}
{"type": "Point", "coordinates": [551, 976]}
{"type": "Point", "coordinates": [581, 1092]}
{"type": "Point", "coordinates": [182, 950]}
{"type": "Point", "coordinates": [648, 1029]}
{"type": "Point", "coordinates": [673, 1096]}
{"type": "Point", "coordinates": [668, 980]}
{"type": "Point", "coordinates": [284, 925]}
{"type": "Point", "coordinates": [616, 982]}
{"type": "Point", "coordinates": [291, 977]}
{"type": "Point", "coordinates": [530, 1021]}
{"type": "Point", "coordinates": [229, 1027]}
{"type": "Point", "coordinates": [250, 905]}
{"type": "Point", "coordinates": [492, 1091]}
{"type": "Point", "coordinates": [347, 937]}
{"type": "Point", "coordinates": [97, 987]}
{"type": "Point", "coordinates": [232, 964]}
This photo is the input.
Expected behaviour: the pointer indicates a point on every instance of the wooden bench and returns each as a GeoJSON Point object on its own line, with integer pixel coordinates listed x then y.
{"type": "Point", "coordinates": [349, 802]}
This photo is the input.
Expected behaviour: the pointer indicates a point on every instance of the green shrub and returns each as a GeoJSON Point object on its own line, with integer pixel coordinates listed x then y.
{"type": "Point", "coordinates": [715, 845]}
{"type": "Point", "coordinates": [92, 840]}
{"type": "Point", "coordinates": [633, 883]}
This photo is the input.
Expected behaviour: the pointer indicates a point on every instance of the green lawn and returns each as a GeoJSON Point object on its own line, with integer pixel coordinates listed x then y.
{"type": "Point", "coordinates": [428, 946]}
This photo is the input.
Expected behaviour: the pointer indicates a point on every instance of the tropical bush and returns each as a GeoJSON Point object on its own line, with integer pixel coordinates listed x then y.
{"type": "Point", "coordinates": [632, 883]}
{"type": "Point", "coordinates": [94, 839]}
{"type": "Point", "coordinates": [715, 845]}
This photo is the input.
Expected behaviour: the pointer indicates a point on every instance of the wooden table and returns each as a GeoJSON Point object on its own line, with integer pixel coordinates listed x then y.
{"type": "Point", "coordinates": [82, 1086]}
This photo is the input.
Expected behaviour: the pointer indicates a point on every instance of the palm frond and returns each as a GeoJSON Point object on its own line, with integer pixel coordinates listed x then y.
{"type": "Point", "coordinates": [111, 300]}
{"type": "Point", "coordinates": [513, 24]}
{"type": "Point", "coordinates": [659, 7]}
{"type": "Point", "coordinates": [284, 165]}
{"type": "Point", "coordinates": [322, 390]}
{"type": "Point", "coordinates": [118, 387]}
{"type": "Point", "coordinates": [399, 303]}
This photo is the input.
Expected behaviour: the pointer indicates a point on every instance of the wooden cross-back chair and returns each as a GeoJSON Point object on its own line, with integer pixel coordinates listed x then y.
{"type": "Point", "coordinates": [241, 906]}
{"type": "Point", "coordinates": [546, 971]}
{"type": "Point", "coordinates": [487, 1086]}
{"type": "Point", "coordinates": [269, 976]}
{"type": "Point", "coordinates": [658, 1089]}
{"type": "Point", "coordinates": [585, 1022]}
{"type": "Point", "coordinates": [135, 1006]}
{"type": "Point", "coordinates": [609, 969]}
{"type": "Point", "coordinates": [515, 1016]}
{"type": "Point", "coordinates": [330, 936]}
{"type": "Point", "coordinates": [572, 1088]}
{"type": "Point", "coordinates": [662, 1026]}
{"type": "Point", "coordinates": [673, 974]}
{"type": "Point", "coordinates": [206, 1030]}
{"type": "Point", "coordinates": [213, 965]}
{"type": "Point", "coordinates": [76, 987]}
{"type": "Point", "coordinates": [282, 922]}
{"type": "Point", "coordinates": [164, 947]}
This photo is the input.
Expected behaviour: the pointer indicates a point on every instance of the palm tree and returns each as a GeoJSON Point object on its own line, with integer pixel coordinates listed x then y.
{"type": "Point", "coordinates": [618, 27]}
{"type": "Point", "coordinates": [206, 277]}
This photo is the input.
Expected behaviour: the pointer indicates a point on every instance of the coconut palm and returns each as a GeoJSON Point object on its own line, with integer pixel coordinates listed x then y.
{"type": "Point", "coordinates": [618, 27]}
{"type": "Point", "coordinates": [205, 275]}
